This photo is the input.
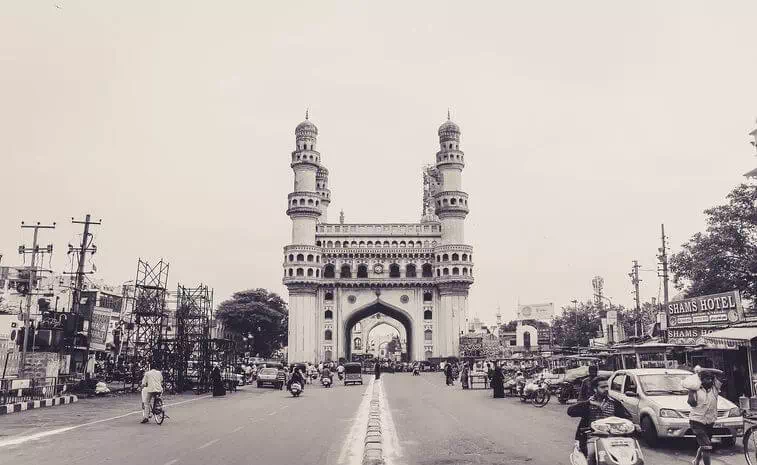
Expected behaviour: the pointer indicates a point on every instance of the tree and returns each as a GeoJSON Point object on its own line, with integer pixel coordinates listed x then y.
{"type": "Point", "coordinates": [576, 326]}
{"type": "Point", "coordinates": [259, 313]}
{"type": "Point", "coordinates": [628, 317]}
{"type": "Point", "coordinates": [723, 257]}
{"type": "Point", "coordinates": [509, 327]}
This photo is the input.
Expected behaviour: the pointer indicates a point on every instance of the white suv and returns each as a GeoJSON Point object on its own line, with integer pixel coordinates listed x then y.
{"type": "Point", "coordinates": [657, 402]}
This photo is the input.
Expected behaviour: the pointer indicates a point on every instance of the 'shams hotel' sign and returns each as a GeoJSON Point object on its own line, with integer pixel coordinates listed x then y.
{"type": "Point", "coordinates": [716, 309]}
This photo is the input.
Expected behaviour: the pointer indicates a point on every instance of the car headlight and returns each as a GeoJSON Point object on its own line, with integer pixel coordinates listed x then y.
{"type": "Point", "coordinates": [669, 413]}
{"type": "Point", "coordinates": [734, 412]}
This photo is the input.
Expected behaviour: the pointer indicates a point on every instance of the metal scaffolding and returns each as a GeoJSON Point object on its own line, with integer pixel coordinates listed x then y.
{"type": "Point", "coordinates": [194, 311]}
{"type": "Point", "coordinates": [148, 318]}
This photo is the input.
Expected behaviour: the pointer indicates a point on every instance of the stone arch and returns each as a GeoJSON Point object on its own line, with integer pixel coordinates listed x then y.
{"type": "Point", "coordinates": [378, 306]}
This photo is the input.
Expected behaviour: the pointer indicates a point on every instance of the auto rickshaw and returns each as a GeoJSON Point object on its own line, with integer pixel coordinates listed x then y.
{"type": "Point", "coordinates": [353, 373]}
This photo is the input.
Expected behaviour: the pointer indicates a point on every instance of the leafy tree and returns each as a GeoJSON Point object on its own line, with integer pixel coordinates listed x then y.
{"type": "Point", "coordinates": [647, 316]}
{"type": "Point", "coordinates": [260, 313]}
{"type": "Point", "coordinates": [510, 326]}
{"type": "Point", "coordinates": [579, 324]}
{"type": "Point", "coordinates": [723, 258]}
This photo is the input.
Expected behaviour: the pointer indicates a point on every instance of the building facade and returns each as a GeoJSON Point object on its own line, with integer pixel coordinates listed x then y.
{"type": "Point", "coordinates": [338, 274]}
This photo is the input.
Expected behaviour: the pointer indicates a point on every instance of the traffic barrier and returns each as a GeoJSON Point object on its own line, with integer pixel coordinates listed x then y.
{"type": "Point", "coordinates": [373, 451]}
{"type": "Point", "coordinates": [32, 404]}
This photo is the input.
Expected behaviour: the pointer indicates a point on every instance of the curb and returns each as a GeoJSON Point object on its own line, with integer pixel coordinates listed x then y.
{"type": "Point", "coordinates": [32, 404]}
{"type": "Point", "coordinates": [373, 452]}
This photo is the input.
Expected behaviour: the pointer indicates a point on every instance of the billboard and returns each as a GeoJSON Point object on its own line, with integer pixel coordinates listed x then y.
{"type": "Point", "coordinates": [688, 336]}
{"type": "Point", "coordinates": [98, 328]}
{"type": "Point", "coordinates": [715, 309]}
{"type": "Point", "coordinates": [541, 312]}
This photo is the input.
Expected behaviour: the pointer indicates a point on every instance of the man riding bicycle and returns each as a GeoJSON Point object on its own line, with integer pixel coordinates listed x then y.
{"type": "Point", "coordinates": [152, 385]}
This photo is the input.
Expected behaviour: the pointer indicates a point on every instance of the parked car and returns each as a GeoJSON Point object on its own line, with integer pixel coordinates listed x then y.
{"type": "Point", "coordinates": [657, 402]}
{"type": "Point", "coordinates": [269, 377]}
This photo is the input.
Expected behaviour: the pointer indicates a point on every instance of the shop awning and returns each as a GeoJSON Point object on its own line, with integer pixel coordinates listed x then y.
{"type": "Point", "coordinates": [738, 336]}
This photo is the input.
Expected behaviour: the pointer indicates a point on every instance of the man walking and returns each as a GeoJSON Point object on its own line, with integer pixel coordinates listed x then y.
{"type": "Point", "coordinates": [703, 399]}
{"type": "Point", "coordinates": [152, 384]}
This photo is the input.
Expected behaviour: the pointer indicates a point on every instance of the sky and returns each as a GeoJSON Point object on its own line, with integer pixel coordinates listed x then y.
{"type": "Point", "coordinates": [585, 125]}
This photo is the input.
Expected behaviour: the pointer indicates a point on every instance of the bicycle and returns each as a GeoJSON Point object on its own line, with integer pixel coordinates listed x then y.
{"type": "Point", "coordinates": [158, 411]}
{"type": "Point", "coordinates": [750, 441]}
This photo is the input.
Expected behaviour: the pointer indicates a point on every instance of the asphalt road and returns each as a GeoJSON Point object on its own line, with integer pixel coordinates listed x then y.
{"type": "Point", "coordinates": [427, 423]}
{"type": "Point", "coordinates": [437, 424]}
{"type": "Point", "coordinates": [263, 426]}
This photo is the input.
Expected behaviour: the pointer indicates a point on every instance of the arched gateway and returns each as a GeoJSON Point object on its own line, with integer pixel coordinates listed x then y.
{"type": "Point", "coordinates": [338, 274]}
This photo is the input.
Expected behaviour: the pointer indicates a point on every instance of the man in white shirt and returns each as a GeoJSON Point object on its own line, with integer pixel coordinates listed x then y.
{"type": "Point", "coordinates": [152, 384]}
{"type": "Point", "coordinates": [703, 399]}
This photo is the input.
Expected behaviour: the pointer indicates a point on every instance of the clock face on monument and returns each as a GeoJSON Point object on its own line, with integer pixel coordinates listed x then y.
{"type": "Point", "coordinates": [378, 268]}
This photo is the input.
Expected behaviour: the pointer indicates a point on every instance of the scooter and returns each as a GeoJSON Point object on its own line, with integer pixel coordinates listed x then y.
{"type": "Point", "coordinates": [326, 381]}
{"type": "Point", "coordinates": [610, 443]}
{"type": "Point", "coordinates": [295, 389]}
{"type": "Point", "coordinates": [416, 371]}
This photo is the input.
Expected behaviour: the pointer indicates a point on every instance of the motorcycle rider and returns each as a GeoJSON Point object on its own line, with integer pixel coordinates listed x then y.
{"type": "Point", "coordinates": [340, 371]}
{"type": "Point", "coordinates": [296, 377]}
{"type": "Point", "coordinates": [326, 373]}
{"type": "Point", "coordinates": [586, 390]}
{"type": "Point", "coordinates": [597, 407]}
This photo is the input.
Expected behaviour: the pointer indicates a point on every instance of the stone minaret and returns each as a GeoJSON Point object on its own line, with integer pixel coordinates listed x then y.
{"type": "Point", "coordinates": [302, 258]}
{"type": "Point", "coordinates": [454, 270]}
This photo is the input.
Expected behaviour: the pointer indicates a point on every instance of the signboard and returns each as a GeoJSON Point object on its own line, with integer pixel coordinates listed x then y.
{"type": "Point", "coordinates": [689, 336]}
{"type": "Point", "coordinates": [542, 312]}
{"type": "Point", "coordinates": [544, 336]}
{"type": "Point", "coordinates": [98, 328]}
{"type": "Point", "coordinates": [715, 309]}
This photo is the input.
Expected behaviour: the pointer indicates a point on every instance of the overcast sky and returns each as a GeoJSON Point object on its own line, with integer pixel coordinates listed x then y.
{"type": "Point", "coordinates": [585, 125]}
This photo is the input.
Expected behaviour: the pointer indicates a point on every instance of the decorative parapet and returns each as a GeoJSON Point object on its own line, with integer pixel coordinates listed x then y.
{"type": "Point", "coordinates": [369, 229]}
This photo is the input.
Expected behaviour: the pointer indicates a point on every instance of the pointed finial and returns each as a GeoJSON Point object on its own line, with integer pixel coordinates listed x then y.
{"type": "Point", "coordinates": [307, 113]}
{"type": "Point", "coordinates": [448, 117]}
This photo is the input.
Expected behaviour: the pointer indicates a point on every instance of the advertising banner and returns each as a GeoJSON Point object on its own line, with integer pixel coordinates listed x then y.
{"type": "Point", "coordinates": [695, 336]}
{"type": "Point", "coordinates": [541, 312]}
{"type": "Point", "coordinates": [716, 309]}
{"type": "Point", "coordinates": [98, 328]}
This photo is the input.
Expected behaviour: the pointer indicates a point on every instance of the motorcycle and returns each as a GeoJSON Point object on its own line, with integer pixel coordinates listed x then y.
{"type": "Point", "coordinates": [568, 390]}
{"type": "Point", "coordinates": [610, 442]}
{"type": "Point", "coordinates": [537, 392]}
{"type": "Point", "coordinates": [326, 381]}
{"type": "Point", "coordinates": [416, 371]}
{"type": "Point", "coordinates": [295, 389]}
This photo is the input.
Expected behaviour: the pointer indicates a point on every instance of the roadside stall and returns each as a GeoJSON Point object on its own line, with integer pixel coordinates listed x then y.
{"type": "Point", "coordinates": [741, 341]}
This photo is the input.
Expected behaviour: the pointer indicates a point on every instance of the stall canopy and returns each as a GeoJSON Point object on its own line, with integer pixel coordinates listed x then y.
{"type": "Point", "coordinates": [739, 336]}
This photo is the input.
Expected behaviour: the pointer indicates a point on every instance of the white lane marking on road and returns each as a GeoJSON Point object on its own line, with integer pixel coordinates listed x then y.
{"type": "Point", "coordinates": [237, 429]}
{"type": "Point", "coordinates": [391, 448]}
{"type": "Point", "coordinates": [171, 462]}
{"type": "Point", "coordinates": [209, 443]}
{"type": "Point", "coordinates": [284, 407]}
{"type": "Point", "coordinates": [34, 437]}
{"type": "Point", "coordinates": [354, 443]}
{"type": "Point", "coordinates": [272, 413]}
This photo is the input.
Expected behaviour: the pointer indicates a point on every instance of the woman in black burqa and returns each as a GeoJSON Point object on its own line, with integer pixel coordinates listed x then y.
{"type": "Point", "coordinates": [498, 383]}
{"type": "Point", "coordinates": [215, 378]}
{"type": "Point", "coordinates": [377, 369]}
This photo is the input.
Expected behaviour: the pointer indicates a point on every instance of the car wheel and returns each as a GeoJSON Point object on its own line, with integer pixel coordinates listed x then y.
{"type": "Point", "coordinates": [649, 432]}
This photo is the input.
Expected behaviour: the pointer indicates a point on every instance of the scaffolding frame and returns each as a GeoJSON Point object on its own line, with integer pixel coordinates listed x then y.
{"type": "Point", "coordinates": [148, 318]}
{"type": "Point", "coordinates": [194, 312]}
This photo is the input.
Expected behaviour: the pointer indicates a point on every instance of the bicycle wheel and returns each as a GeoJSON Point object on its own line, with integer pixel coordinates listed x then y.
{"type": "Point", "coordinates": [541, 397]}
{"type": "Point", "coordinates": [750, 446]}
{"type": "Point", "coordinates": [158, 414]}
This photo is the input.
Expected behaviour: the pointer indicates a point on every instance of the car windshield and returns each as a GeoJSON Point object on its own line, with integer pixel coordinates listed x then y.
{"type": "Point", "coordinates": [268, 371]}
{"type": "Point", "coordinates": [663, 384]}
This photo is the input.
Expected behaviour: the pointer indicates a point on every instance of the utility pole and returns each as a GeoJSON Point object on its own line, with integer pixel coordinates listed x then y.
{"type": "Point", "coordinates": [86, 246]}
{"type": "Point", "coordinates": [663, 257]}
{"type": "Point", "coordinates": [34, 250]}
{"type": "Point", "coordinates": [634, 275]}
